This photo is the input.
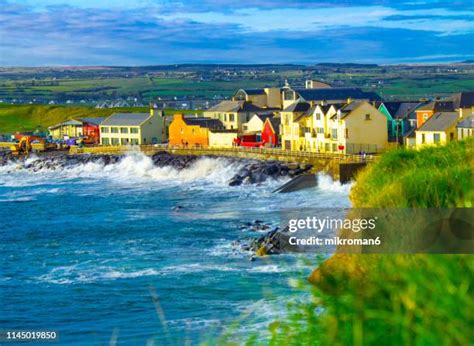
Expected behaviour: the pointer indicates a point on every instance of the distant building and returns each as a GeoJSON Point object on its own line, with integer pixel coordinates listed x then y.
{"type": "Point", "coordinates": [70, 128]}
{"type": "Point", "coordinates": [133, 129]}
{"type": "Point", "coordinates": [316, 84]}
{"type": "Point", "coordinates": [438, 129]}
{"type": "Point", "coordinates": [188, 131]}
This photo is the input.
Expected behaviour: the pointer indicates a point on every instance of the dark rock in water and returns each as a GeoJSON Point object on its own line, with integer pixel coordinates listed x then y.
{"type": "Point", "coordinates": [235, 181]}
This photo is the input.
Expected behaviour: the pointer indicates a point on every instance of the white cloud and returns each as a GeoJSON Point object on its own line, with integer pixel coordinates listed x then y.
{"type": "Point", "coordinates": [310, 20]}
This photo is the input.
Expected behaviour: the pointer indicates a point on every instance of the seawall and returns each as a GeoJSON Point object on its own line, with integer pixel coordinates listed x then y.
{"type": "Point", "coordinates": [340, 167]}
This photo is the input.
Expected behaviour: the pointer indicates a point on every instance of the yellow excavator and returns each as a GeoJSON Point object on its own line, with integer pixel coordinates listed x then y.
{"type": "Point", "coordinates": [26, 145]}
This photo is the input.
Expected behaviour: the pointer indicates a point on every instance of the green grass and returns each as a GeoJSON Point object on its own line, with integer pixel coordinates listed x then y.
{"type": "Point", "coordinates": [393, 299]}
{"type": "Point", "coordinates": [31, 117]}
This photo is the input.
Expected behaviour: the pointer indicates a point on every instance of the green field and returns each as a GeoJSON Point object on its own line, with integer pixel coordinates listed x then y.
{"type": "Point", "coordinates": [37, 117]}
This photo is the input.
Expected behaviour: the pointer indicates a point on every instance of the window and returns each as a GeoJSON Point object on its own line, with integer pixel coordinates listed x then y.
{"type": "Point", "coordinates": [436, 138]}
{"type": "Point", "coordinates": [423, 139]}
{"type": "Point", "coordinates": [114, 129]}
{"type": "Point", "coordinates": [334, 133]}
{"type": "Point", "coordinates": [451, 136]}
{"type": "Point", "coordinates": [347, 133]}
{"type": "Point", "coordinates": [182, 131]}
{"type": "Point", "coordinates": [154, 140]}
{"type": "Point", "coordinates": [334, 148]}
{"type": "Point", "coordinates": [123, 130]}
{"type": "Point", "coordinates": [134, 141]}
{"type": "Point", "coordinates": [104, 129]}
{"type": "Point", "coordinates": [231, 117]}
{"type": "Point", "coordinates": [115, 141]}
{"type": "Point", "coordinates": [318, 116]}
{"type": "Point", "coordinates": [105, 141]}
{"type": "Point", "coordinates": [225, 117]}
{"type": "Point", "coordinates": [124, 141]}
{"type": "Point", "coordinates": [321, 130]}
{"type": "Point", "coordinates": [288, 95]}
{"type": "Point", "coordinates": [367, 116]}
{"type": "Point", "coordinates": [326, 147]}
{"type": "Point", "coordinates": [134, 130]}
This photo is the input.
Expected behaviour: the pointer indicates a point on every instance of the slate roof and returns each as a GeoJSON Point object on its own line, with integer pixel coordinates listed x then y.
{"type": "Point", "coordinates": [400, 110]}
{"type": "Point", "coordinates": [467, 122]}
{"type": "Point", "coordinates": [463, 100]}
{"type": "Point", "coordinates": [329, 94]}
{"type": "Point", "coordinates": [126, 119]}
{"type": "Point", "coordinates": [297, 106]}
{"type": "Point", "coordinates": [235, 106]}
{"type": "Point", "coordinates": [93, 121]}
{"type": "Point", "coordinates": [254, 91]}
{"type": "Point", "coordinates": [275, 124]}
{"type": "Point", "coordinates": [440, 121]}
{"type": "Point", "coordinates": [438, 106]}
{"type": "Point", "coordinates": [204, 122]}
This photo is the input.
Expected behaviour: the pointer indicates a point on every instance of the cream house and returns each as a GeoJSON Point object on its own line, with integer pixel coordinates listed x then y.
{"type": "Point", "coordinates": [437, 130]}
{"type": "Point", "coordinates": [255, 124]}
{"type": "Point", "coordinates": [133, 129]}
{"type": "Point", "coordinates": [356, 127]}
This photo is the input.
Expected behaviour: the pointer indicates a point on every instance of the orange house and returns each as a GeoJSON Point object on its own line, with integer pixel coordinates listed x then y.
{"type": "Point", "coordinates": [189, 131]}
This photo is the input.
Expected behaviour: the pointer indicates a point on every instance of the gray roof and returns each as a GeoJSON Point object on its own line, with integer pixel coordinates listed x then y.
{"type": "Point", "coordinates": [126, 119]}
{"type": "Point", "coordinates": [440, 121]}
{"type": "Point", "coordinates": [328, 94]}
{"type": "Point", "coordinates": [93, 121]}
{"type": "Point", "coordinates": [467, 122]}
{"type": "Point", "coordinates": [204, 122]}
{"type": "Point", "coordinates": [66, 123]}
{"type": "Point", "coordinates": [235, 106]}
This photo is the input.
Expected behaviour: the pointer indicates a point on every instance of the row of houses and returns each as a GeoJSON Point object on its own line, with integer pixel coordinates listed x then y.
{"type": "Point", "coordinates": [316, 118]}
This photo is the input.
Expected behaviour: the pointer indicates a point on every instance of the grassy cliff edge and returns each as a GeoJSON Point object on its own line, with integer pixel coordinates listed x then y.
{"type": "Point", "coordinates": [394, 299]}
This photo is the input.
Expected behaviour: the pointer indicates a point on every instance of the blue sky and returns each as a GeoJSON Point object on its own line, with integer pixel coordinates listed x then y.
{"type": "Point", "coordinates": [151, 32]}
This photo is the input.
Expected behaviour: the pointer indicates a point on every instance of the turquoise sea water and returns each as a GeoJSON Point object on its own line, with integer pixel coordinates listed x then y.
{"type": "Point", "coordinates": [105, 253]}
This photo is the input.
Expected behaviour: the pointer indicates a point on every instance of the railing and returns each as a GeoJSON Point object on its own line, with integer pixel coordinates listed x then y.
{"type": "Point", "coordinates": [233, 151]}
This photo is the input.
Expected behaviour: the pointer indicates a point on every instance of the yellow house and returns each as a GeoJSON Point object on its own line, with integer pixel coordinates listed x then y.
{"type": "Point", "coordinates": [133, 129]}
{"type": "Point", "coordinates": [233, 114]}
{"type": "Point", "coordinates": [69, 128]}
{"type": "Point", "coordinates": [466, 127]}
{"type": "Point", "coordinates": [355, 127]}
{"type": "Point", "coordinates": [292, 136]}
{"type": "Point", "coordinates": [437, 130]}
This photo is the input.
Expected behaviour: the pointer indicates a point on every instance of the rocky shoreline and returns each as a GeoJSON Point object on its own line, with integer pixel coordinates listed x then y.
{"type": "Point", "coordinates": [251, 172]}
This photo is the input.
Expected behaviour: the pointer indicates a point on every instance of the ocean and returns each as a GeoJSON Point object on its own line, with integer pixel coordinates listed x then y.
{"type": "Point", "coordinates": [135, 254]}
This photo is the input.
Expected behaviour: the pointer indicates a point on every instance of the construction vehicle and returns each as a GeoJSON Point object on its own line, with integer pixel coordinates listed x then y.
{"type": "Point", "coordinates": [28, 144]}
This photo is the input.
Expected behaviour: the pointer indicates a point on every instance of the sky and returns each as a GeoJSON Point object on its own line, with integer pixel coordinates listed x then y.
{"type": "Point", "coordinates": [154, 32]}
